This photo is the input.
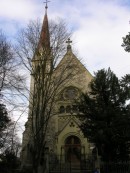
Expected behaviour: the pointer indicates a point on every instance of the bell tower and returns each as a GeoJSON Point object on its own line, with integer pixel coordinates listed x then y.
{"type": "Point", "coordinates": [40, 75]}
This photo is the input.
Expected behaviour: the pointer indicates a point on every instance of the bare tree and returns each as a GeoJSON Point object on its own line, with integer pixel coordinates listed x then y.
{"type": "Point", "coordinates": [28, 39]}
{"type": "Point", "coordinates": [11, 78]}
{"type": "Point", "coordinates": [10, 150]}
{"type": "Point", "coordinates": [6, 57]}
{"type": "Point", "coordinates": [9, 65]}
{"type": "Point", "coordinates": [46, 83]}
{"type": "Point", "coordinates": [10, 140]}
{"type": "Point", "coordinates": [11, 86]}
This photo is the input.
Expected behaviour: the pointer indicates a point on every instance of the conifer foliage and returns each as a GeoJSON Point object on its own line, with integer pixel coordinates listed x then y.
{"type": "Point", "coordinates": [126, 42]}
{"type": "Point", "coordinates": [106, 111]}
{"type": "Point", "coordinates": [4, 120]}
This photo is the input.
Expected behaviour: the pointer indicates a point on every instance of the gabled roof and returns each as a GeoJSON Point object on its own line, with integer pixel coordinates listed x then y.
{"type": "Point", "coordinates": [74, 72]}
{"type": "Point", "coordinates": [72, 60]}
{"type": "Point", "coordinates": [71, 119]}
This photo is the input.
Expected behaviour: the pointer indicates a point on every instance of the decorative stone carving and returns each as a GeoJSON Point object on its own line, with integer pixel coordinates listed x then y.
{"type": "Point", "coordinates": [70, 93]}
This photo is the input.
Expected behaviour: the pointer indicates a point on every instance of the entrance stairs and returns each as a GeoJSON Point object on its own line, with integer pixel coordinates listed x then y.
{"type": "Point", "coordinates": [69, 168]}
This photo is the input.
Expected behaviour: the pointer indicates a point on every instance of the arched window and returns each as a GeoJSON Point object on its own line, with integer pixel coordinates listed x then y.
{"type": "Point", "coordinates": [70, 93]}
{"type": "Point", "coordinates": [68, 109]}
{"type": "Point", "coordinates": [73, 149]}
{"type": "Point", "coordinates": [72, 140]}
{"type": "Point", "coordinates": [62, 109]}
{"type": "Point", "coordinates": [75, 108]}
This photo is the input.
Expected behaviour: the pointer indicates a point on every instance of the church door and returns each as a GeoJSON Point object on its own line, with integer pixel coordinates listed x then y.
{"type": "Point", "coordinates": [73, 149]}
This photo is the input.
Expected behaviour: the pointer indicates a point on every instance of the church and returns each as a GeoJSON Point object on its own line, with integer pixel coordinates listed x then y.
{"type": "Point", "coordinates": [64, 141]}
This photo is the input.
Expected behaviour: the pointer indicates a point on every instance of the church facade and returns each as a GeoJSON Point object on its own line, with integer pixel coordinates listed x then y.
{"type": "Point", "coordinates": [64, 138]}
{"type": "Point", "coordinates": [68, 117]}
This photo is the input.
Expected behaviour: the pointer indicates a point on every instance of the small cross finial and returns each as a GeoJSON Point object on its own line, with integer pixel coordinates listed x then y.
{"type": "Point", "coordinates": [68, 42]}
{"type": "Point", "coordinates": [46, 4]}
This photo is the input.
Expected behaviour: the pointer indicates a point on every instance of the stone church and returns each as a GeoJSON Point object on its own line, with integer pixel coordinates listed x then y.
{"type": "Point", "coordinates": [64, 139]}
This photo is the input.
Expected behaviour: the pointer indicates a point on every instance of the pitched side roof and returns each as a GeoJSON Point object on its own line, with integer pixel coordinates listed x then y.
{"type": "Point", "coordinates": [79, 76]}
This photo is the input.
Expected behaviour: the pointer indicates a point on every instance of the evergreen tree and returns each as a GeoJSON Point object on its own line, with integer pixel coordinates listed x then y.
{"type": "Point", "coordinates": [126, 42]}
{"type": "Point", "coordinates": [107, 115]}
{"type": "Point", "coordinates": [4, 119]}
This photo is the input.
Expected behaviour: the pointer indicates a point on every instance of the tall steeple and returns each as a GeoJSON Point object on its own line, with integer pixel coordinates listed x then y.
{"type": "Point", "coordinates": [44, 41]}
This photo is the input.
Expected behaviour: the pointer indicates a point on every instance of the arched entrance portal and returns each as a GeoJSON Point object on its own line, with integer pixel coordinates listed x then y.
{"type": "Point", "coordinates": [73, 149]}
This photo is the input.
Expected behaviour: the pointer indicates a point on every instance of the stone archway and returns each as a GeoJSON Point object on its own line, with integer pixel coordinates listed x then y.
{"type": "Point", "coordinates": [73, 149]}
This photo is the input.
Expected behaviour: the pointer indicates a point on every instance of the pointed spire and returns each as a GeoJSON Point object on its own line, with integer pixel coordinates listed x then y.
{"type": "Point", "coordinates": [44, 40]}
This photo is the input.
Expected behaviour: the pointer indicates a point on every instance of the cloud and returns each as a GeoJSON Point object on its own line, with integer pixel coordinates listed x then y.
{"type": "Point", "coordinates": [16, 9]}
{"type": "Point", "coordinates": [100, 26]}
{"type": "Point", "coordinates": [15, 14]}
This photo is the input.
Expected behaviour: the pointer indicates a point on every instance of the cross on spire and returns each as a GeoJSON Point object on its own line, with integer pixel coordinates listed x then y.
{"type": "Point", "coordinates": [46, 2]}
{"type": "Point", "coordinates": [68, 42]}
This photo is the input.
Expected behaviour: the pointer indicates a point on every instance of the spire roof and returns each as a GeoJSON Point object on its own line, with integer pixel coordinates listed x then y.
{"type": "Point", "coordinates": [44, 40]}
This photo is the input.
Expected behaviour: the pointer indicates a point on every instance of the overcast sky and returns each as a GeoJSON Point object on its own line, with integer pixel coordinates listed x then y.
{"type": "Point", "coordinates": [98, 27]}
